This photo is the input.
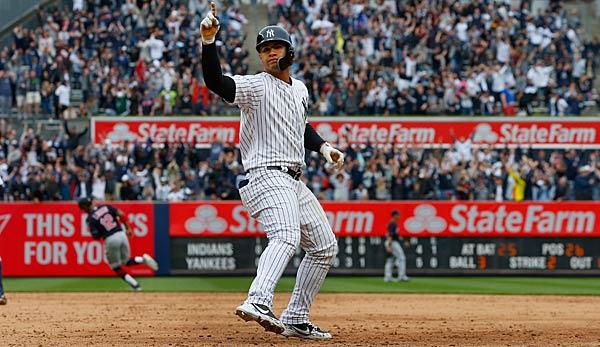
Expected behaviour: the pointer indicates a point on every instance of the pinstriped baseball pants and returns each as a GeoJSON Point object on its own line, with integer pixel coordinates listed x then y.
{"type": "Point", "coordinates": [291, 216]}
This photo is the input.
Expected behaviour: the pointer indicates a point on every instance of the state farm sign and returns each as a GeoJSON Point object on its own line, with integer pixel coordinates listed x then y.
{"type": "Point", "coordinates": [491, 219]}
{"type": "Point", "coordinates": [430, 131]}
{"type": "Point", "coordinates": [230, 218]}
{"type": "Point", "coordinates": [202, 132]}
{"type": "Point", "coordinates": [417, 218]}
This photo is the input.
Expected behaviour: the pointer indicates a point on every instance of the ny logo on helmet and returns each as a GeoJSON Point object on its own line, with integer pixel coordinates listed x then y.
{"type": "Point", "coordinates": [270, 33]}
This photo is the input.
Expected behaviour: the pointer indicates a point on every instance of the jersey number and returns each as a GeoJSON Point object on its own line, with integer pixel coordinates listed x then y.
{"type": "Point", "coordinates": [108, 222]}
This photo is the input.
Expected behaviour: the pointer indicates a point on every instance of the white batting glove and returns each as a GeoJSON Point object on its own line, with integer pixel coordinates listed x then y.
{"type": "Point", "coordinates": [209, 25]}
{"type": "Point", "coordinates": [332, 155]}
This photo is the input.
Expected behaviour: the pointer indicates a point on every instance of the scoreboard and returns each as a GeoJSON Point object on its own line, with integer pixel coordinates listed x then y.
{"type": "Point", "coordinates": [425, 255]}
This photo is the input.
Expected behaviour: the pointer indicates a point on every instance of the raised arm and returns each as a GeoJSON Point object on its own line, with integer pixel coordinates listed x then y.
{"type": "Point", "coordinates": [224, 86]}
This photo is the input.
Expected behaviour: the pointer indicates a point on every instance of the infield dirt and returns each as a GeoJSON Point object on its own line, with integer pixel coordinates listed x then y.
{"type": "Point", "coordinates": [199, 319]}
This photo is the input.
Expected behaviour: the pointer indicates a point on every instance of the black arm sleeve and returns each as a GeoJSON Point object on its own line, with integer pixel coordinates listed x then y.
{"type": "Point", "coordinates": [312, 140]}
{"type": "Point", "coordinates": [224, 86]}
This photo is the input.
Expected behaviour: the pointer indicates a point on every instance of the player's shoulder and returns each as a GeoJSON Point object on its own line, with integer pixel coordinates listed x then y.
{"type": "Point", "coordinates": [259, 77]}
{"type": "Point", "coordinates": [299, 84]}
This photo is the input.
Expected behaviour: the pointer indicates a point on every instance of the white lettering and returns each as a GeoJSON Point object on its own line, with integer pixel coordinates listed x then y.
{"type": "Point", "coordinates": [45, 252]}
{"type": "Point", "coordinates": [210, 249]}
{"type": "Point", "coordinates": [49, 224]}
{"type": "Point", "coordinates": [580, 263]}
{"type": "Point", "coordinates": [219, 263]}
{"type": "Point", "coordinates": [527, 262]}
{"type": "Point", "coordinates": [89, 252]}
{"type": "Point", "coordinates": [553, 249]}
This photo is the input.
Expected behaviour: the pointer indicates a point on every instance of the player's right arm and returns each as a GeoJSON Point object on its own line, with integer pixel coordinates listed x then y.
{"type": "Point", "coordinates": [243, 91]}
{"type": "Point", "coordinates": [224, 86]}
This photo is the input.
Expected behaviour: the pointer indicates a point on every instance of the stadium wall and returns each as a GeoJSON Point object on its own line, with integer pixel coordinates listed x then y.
{"type": "Point", "coordinates": [219, 238]}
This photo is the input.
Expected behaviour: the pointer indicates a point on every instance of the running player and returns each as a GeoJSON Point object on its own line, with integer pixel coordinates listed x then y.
{"type": "Point", "coordinates": [395, 253]}
{"type": "Point", "coordinates": [108, 223]}
{"type": "Point", "coordinates": [273, 135]}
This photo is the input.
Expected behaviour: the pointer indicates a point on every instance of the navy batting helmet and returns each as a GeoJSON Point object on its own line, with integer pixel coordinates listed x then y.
{"type": "Point", "coordinates": [84, 203]}
{"type": "Point", "coordinates": [273, 33]}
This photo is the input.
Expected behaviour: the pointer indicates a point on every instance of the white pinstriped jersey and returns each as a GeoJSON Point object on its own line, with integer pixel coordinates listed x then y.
{"type": "Point", "coordinates": [273, 120]}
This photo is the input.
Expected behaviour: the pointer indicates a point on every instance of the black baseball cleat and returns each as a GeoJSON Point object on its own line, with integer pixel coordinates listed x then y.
{"type": "Point", "coordinates": [261, 314]}
{"type": "Point", "coordinates": [3, 300]}
{"type": "Point", "coordinates": [306, 331]}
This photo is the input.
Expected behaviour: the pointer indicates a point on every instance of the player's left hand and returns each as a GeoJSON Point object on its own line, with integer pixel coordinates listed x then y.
{"type": "Point", "coordinates": [332, 155]}
{"type": "Point", "coordinates": [129, 233]}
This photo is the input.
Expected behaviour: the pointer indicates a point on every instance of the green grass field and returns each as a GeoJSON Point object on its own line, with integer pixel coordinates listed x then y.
{"type": "Point", "coordinates": [421, 285]}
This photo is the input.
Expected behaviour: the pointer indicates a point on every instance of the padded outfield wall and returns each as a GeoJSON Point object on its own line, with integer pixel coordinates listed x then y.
{"type": "Point", "coordinates": [220, 238]}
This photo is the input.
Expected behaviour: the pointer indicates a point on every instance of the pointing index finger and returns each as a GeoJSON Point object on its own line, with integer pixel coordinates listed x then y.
{"type": "Point", "coordinates": [213, 8]}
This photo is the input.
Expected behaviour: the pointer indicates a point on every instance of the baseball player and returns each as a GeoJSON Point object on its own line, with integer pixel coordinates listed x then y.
{"type": "Point", "coordinates": [109, 223]}
{"type": "Point", "coordinates": [394, 250]}
{"type": "Point", "coordinates": [3, 300]}
{"type": "Point", "coordinates": [274, 133]}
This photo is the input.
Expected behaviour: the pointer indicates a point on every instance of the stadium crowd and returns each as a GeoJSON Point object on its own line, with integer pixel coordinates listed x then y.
{"type": "Point", "coordinates": [122, 57]}
{"type": "Point", "coordinates": [441, 57]}
{"type": "Point", "coordinates": [63, 168]}
{"type": "Point", "coordinates": [356, 57]}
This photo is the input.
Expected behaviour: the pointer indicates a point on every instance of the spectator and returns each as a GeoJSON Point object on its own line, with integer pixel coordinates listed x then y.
{"type": "Point", "coordinates": [5, 93]}
{"type": "Point", "coordinates": [63, 93]}
{"type": "Point", "coordinates": [445, 59]}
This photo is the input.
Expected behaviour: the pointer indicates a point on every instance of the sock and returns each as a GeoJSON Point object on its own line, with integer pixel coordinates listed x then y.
{"type": "Point", "coordinates": [131, 281]}
{"type": "Point", "coordinates": [126, 277]}
{"type": "Point", "coordinates": [135, 260]}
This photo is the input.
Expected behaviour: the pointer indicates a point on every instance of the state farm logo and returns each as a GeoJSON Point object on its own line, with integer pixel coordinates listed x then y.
{"type": "Point", "coordinates": [205, 219]}
{"type": "Point", "coordinates": [375, 133]}
{"type": "Point", "coordinates": [121, 133]}
{"type": "Point", "coordinates": [484, 133]}
{"type": "Point", "coordinates": [543, 133]}
{"type": "Point", "coordinates": [425, 219]}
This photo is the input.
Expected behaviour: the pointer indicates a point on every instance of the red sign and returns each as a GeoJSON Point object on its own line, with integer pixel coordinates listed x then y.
{"type": "Point", "coordinates": [52, 239]}
{"type": "Point", "coordinates": [424, 131]}
{"type": "Point", "coordinates": [417, 218]}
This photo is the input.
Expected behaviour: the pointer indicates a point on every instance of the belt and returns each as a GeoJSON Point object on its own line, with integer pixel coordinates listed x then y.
{"type": "Point", "coordinates": [295, 173]}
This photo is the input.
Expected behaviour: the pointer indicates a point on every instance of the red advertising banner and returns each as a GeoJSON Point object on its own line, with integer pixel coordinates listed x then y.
{"type": "Point", "coordinates": [417, 218]}
{"type": "Point", "coordinates": [52, 239]}
{"type": "Point", "coordinates": [423, 131]}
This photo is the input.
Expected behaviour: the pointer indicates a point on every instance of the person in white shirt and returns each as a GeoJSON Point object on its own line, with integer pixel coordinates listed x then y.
{"type": "Point", "coordinates": [498, 188]}
{"type": "Point", "coordinates": [503, 50]}
{"type": "Point", "coordinates": [78, 5]}
{"type": "Point", "coordinates": [177, 194]}
{"type": "Point", "coordinates": [539, 76]}
{"type": "Point", "coordinates": [99, 187]}
{"type": "Point", "coordinates": [558, 105]}
{"type": "Point", "coordinates": [156, 47]}
{"type": "Point", "coordinates": [461, 29]}
{"type": "Point", "coordinates": [64, 98]}
{"type": "Point", "coordinates": [163, 190]}
{"type": "Point", "coordinates": [341, 185]}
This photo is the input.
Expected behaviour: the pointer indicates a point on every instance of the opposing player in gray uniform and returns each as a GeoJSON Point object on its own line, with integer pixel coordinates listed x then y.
{"type": "Point", "coordinates": [395, 253]}
{"type": "Point", "coordinates": [274, 133]}
{"type": "Point", "coordinates": [108, 223]}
